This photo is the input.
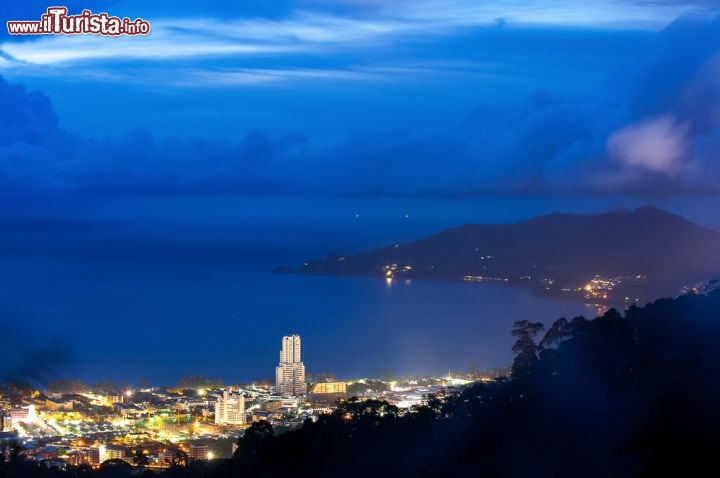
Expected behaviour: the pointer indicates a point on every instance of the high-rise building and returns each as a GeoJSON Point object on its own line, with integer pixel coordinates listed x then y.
{"type": "Point", "coordinates": [230, 409]}
{"type": "Point", "coordinates": [290, 374]}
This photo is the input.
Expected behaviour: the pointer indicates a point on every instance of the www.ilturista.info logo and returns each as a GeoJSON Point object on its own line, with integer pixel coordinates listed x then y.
{"type": "Point", "coordinates": [57, 22]}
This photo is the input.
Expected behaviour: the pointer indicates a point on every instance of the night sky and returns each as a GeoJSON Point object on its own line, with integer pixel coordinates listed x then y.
{"type": "Point", "coordinates": [275, 126]}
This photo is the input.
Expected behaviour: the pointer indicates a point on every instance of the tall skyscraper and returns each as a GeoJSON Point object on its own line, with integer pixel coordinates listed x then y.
{"type": "Point", "coordinates": [230, 408]}
{"type": "Point", "coordinates": [290, 374]}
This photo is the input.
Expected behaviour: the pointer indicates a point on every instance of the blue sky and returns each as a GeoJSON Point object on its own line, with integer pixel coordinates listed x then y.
{"type": "Point", "coordinates": [367, 97]}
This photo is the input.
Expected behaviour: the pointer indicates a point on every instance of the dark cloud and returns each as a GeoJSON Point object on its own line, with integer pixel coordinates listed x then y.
{"type": "Point", "coordinates": [643, 132]}
{"type": "Point", "coordinates": [652, 128]}
{"type": "Point", "coordinates": [674, 109]}
{"type": "Point", "coordinates": [26, 117]}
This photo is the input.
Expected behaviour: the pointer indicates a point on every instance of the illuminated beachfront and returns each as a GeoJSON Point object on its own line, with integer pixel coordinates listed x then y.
{"type": "Point", "coordinates": [163, 426]}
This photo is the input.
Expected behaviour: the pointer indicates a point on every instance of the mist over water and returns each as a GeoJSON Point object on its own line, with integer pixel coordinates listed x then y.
{"type": "Point", "coordinates": [159, 288]}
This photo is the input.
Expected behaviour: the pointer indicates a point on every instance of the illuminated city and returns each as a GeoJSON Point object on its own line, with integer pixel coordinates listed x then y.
{"type": "Point", "coordinates": [160, 427]}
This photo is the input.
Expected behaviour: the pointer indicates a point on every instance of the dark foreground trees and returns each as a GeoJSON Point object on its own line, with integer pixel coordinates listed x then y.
{"type": "Point", "coordinates": [614, 396]}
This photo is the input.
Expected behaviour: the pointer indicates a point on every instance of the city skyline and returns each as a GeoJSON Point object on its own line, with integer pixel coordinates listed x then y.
{"type": "Point", "coordinates": [189, 423]}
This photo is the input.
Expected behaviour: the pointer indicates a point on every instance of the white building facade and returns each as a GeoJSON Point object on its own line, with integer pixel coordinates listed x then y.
{"type": "Point", "coordinates": [290, 373]}
{"type": "Point", "coordinates": [230, 409]}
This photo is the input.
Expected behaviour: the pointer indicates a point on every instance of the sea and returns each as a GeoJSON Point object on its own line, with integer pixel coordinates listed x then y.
{"type": "Point", "coordinates": [150, 289]}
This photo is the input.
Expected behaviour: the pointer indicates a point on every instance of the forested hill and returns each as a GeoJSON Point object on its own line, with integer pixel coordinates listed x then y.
{"type": "Point", "coordinates": [643, 253]}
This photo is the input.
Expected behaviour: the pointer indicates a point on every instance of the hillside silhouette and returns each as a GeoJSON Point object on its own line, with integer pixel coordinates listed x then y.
{"type": "Point", "coordinates": [647, 252]}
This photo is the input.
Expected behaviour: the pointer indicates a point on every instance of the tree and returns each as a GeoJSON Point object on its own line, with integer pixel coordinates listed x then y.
{"type": "Point", "coordinates": [115, 464]}
{"type": "Point", "coordinates": [252, 441]}
{"type": "Point", "coordinates": [198, 381]}
{"type": "Point", "coordinates": [15, 450]}
{"type": "Point", "coordinates": [67, 386]}
{"type": "Point", "coordinates": [385, 375]}
{"type": "Point", "coordinates": [179, 458]}
{"type": "Point", "coordinates": [107, 386]}
{"type": "Point", "coordinates": [140, 459]}
{"type": "Point", "coordinates": [20, 388]}
{"type": "Point", "coordinates": [473, 368]}
{"type": "Point", "coordinates": [558, 332]}
{"type": "Point", "coordinates": [525, 349]}
{"type": "Point", "coordinates": [325, 377]}
{"type": "Point", "coordinates": [373, 408]}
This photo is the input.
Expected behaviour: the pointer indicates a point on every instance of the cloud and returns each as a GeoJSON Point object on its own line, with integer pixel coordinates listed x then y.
{"type": "Point", "coordinates": [651, 129]}
{"type": "Point", "coordinates": [660, 144]}
{"type": "Point", "coordinates": [700, 98]}
{"type": "Point", "coordinates": [55, 50]}
{"type": "Point", "coordinates": [25, 116]}
{"type": "Point", "coordinates": [319, 31]}
{"type": "Point", "coordinates": [334, 37]}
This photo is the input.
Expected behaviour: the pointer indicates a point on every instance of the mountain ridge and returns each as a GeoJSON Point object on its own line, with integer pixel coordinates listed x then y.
{"type": "Point", "coordinates": [643, 251]}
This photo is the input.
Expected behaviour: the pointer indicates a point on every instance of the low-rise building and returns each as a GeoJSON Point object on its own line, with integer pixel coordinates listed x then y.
{"type": "Point", "coordinates": [199, 452]}
{"type": "Point", "coordinates": [54, 404]}
{"type": "Point", "coordinates": [23, 414]}
{"type": "Point", "coordinates": [115, 452]}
